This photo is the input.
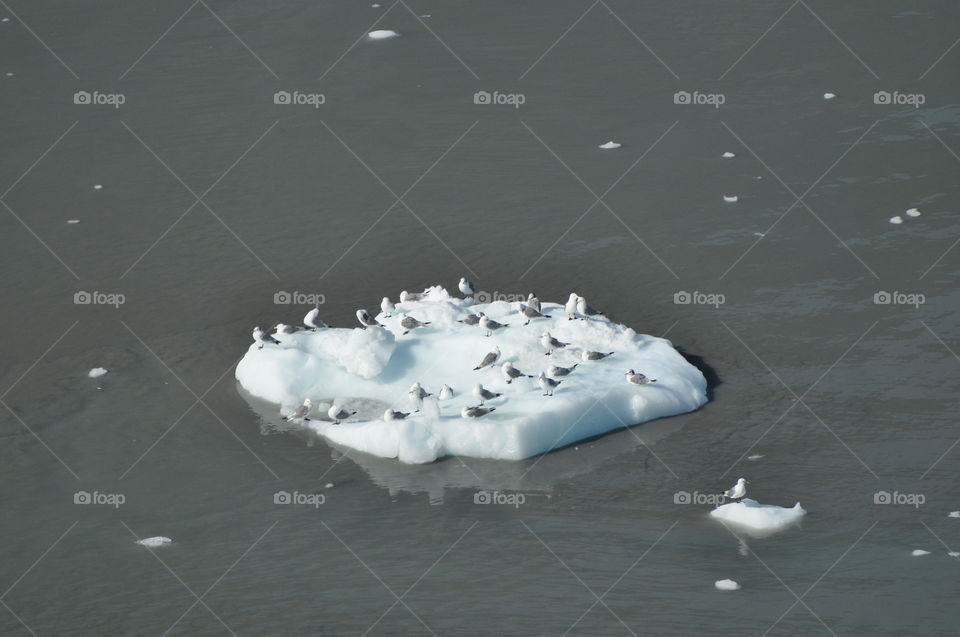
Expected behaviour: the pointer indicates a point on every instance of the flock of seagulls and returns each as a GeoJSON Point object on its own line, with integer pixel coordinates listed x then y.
{"type": "Point", "coordinates": [576, 308]}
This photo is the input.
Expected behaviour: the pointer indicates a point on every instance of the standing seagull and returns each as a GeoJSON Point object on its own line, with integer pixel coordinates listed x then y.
{"type": "Point", "coordinates": [530, 313]}
{"type": "Point", "coordinates": [470, 319]}
{"type": "Point", "coordinates": [466, 287]}
{"type": "Point", "coordinates": [637, 378]}
{"type": "Point", "coordinates": [446, 392]}
{"type": "Point", "coordinates": [390, 414]}
{"type": "Point", "coordinates": [571, 307]}
{"type": "Point", "coordinates": [312, 319]}
{"type": "Point", "coordinates": [263, 338]}
{"type": "Point", "coordinates": [484, 395]}
{"type": "Point", "coordinates": [302, 412]}
{"type": "Point", "coordinates": [556, 371]}
{"type": "Point", "coordinates": [510, 372]}
{"type": "Point", "coordinates": [738, 490]}
{"type": "Point", "coordinates": [417, 394]}
{"type": "Point", "coordinates": [489, 324]}
{"type": "Point", "coordinates": [338, 413]}
{"type": "Point", "coordinates": [475, 412]}
{"type": "Point", "coordinates": [387, 306]}
{"type": "Point", "coordinates": [550, 343]}
{"type": "Point", "coordinates": [489, 359]}
{"type": "Point", "coordinates": [409, 323]}
{"type": "Point", "coordinates": [534, 302]}
{"type": "Point", "coordinates": [589, 355]}
{"type": "Point", "coordinates": [548, 384]}
{"type": "Point", "coordinates": [585, 310]}
{"type": "Point", "coordinates": [366, 320]}
{"type": "Point", "coordinates": [282, 328]}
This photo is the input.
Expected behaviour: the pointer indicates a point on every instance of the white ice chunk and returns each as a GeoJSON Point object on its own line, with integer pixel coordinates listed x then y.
{"type": "Point", "coordinates": [759, 517]}
{"type": "Point", "coordinates": [829, 96]}
{"type": "Point", "coordinates": [98, 187]}
{"type": "Point", "coordinates": [728, 155]}
{"type": "Point", "coordinates": [96, 372]}
{"type": "Point", "coordinates": [71, 221]}
{"type": "Point", "coordinates": [896, 220]}
{"type": "Point", "coordinates": [727, 585]}
{"type": "Point", "coordinates": [913, 212]}
{"type": "Point", "coordinates": [954, 514]}
{"type": "Point", "coordinates": [155, 541]}
{"type": "Point", "coordinates": [610, 145]}
{"type": "Point", "coordinates": [919, 552]}
{"type": "Point", "coordinates": [755, 456]}
{"type": "Point", "coordinates": [382, 34]}
{"type": "Point", "coordinates": [731, 198]}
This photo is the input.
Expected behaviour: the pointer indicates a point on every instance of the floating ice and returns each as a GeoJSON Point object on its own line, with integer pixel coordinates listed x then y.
{"type": "Point", "coordinates": [328, 485]}
{"type": "Point", "coordinates": [954, 514]}
{"type": "Point", "coordinates": [382, 34]}
{"type": "Point", "coordinates": [728, 155]}
{"type": "Point", "coordinates": [954, 553]}
{"type": "Point", "coordinates": [98, 187]}
{"type": "Point", "coordinates": [152, 542]}
{"type": "Point", "coordinates": [731, 199]}
{"type": "Point", "coordinates": [372, 369]}
{"type": "Point", "coordinates": [919, 552]}
{"type": "Point", "coordinates": [727, 585]}
{"type": "Point", "coordinates": [896, 220]}
{"type": "Point", "coordinates": [913, 212]}
{"type": "Point", "coordinates": [829, 96]}
{"type": "Point", "coordinates": [73, 221]}
{"type": "Point", "coordinates": [755, 456]}
{"type": "Point", "coordinates": [96, 372]}
{"type": "Point", "coordinates": [610, 145]}
{"type": "Point", "coordinates": [759, 517]}
{"type": "Point", "coordinates": [5, 20]}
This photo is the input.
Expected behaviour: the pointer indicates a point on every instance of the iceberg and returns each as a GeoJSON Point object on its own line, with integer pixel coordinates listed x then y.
{"type": "Point", "coordinates": [762, 518]}
{"type": "Point", "coordinates": [372, 369]}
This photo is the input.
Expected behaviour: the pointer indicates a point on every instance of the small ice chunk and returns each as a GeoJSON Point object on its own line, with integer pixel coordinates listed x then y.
{"type": "Point", "coordinates": [9, 74]}
{"type": "Point", "coordinates": [610, 145]}
{"type": "Point", "coordinates": [382, 34]}
{"type": "Point", "coordinates": [73, 221]}
{"type": "Point", "coordinates": [731, 198]}
{"type": "Point", "coordinates": [954, 514]}
{"type": "Point", "coordinates": [728, 155]}
{"type": "Point", "coordinates": [913, 212]}
{"type": "Point", "coordinates": [155, 541]}
{"type": "Point", "coordinates": [375, 5]}
{"type": "Point", "coordinates": [829, 96]}
{"type": "Point", "coordinates": [98, 186]}
{"type": "Point", "coordinates": [727, 585]}
{"type": "Point", "coordinates": [897, 220]}
{"type": "Point", "coordinates": [755, 456]}
{"type": "Point", "coordinates": [328, 485]}
{"type": "Point", "coordinates": [5, 20]}
{"type": "Point", "coordinates": [96, 372]}
{"type": "Point", "coordinates": [919, 552]}
{"type": "Point", "coordinates": [954, 553]}
{"type": "Point", "coordinates": [759, 517]}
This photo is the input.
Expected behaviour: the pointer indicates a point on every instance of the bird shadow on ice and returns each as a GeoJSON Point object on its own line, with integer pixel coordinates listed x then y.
{"type": "Point", "coordinates": [709, 373]}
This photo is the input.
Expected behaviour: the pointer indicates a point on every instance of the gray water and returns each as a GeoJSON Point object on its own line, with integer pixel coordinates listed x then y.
{"type": "Point", "coordinates": [841, 396]}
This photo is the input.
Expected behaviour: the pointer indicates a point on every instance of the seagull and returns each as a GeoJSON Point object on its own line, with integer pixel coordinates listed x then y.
{"type": "Point", "coordinates": [738, 490]}
{"type": "Point", "coordinates": [489, 359]}
{"type": "Point", "coordinates": [387, 306]}
{"type": "Point", "coordinates": [585, 310]}
{"type": "Point", "coordinates": [476, 412]}
{"type": "Point", "coordinates": [470, 319]}
{"type": "Point", "coordinates": [312, 319]}
{"type": "Point", "coordinates": [551, 343]}
{"type": "Point", "coordinates": [484, 394]}
{"type": "Point", "coordinates": [263, 338]}
{"type": "Point", "coordinates": [366, 320]}
{"type": "Point", "coordinates": [589, 355]}
{"type": "Point", "coordinates": [534, 302]}
{"type": "Point", "coordinates": [638, 379]}
{"type": "Point", "coordinates": [490, 325]}
{"type": "Point", "coordinates": [409, 323]}
{"type": "Point", "coordinates": [557, 371]}
{"type": "Point", "coordinates": [281, 328]}
{"type": "Point", "coordinates": [446, 392]}
{"type": "Point", "coordinates": [390, 414]}
{"type": "Point", "coordinates": [571, 307]}
{"type": "Point", "coordinates": [302, 412]}
{"type": "Point", "coordinates": [548, 384]}
{"type": "Point", "coordinates": [510, 372]}
{"type": "Point", "coordinates": [417, 394]}
{"type": "Point", "coordinates": [530, 313]}
{"type": "Point", "coordinates": [409, 297]}
{"type": "Point", "coordinates": [339, 413]}
{"type": "Point", "coordinates": [467, 287]}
